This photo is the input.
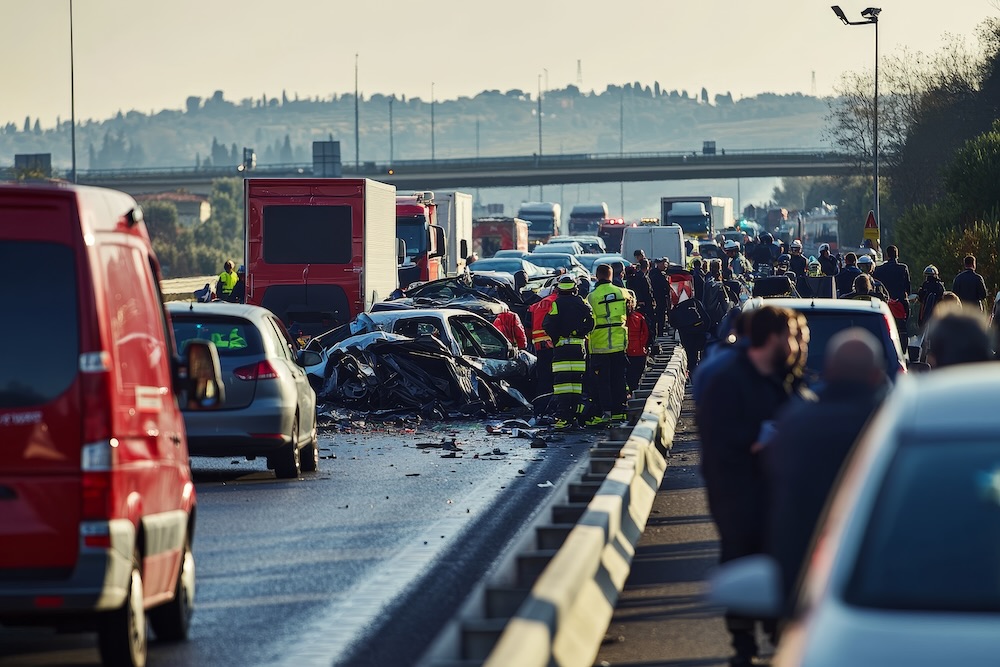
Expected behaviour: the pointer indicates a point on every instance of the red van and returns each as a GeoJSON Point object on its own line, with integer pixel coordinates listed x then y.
{"type": "Point", "coordinates": [96, 498]}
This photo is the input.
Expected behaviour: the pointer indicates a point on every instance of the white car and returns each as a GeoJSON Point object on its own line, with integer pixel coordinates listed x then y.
{"type": "Point", "coordinates": [906, 564]}
{"type": "Point", "coordinates": [463, 333]}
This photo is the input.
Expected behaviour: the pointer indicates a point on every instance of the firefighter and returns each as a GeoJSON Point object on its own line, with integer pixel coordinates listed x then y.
{"type": "Point", "coordinates": [568, 323]}
{"type": "Point", "coordinates": [607, 347]}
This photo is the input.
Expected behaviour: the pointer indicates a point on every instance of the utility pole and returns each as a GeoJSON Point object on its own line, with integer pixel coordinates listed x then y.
{"type": "Point", "coordinates": [432, 121]}
{"type": "Point", "coordinates": [390, 130]}
{"type": "Point", "coordinates": [477, 138]}
{"type": "Point", "coordinates": [621, 145]}
{"type": "Point", "coordinates": [541, 196]}
{"type": "Point", "coordinates": [72, 93]}
{"type": "Point", "coordinates": [357, 146]}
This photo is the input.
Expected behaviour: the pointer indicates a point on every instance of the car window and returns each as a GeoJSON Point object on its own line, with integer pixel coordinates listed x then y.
{"type": "Point", "coordinates": [490, 341]}
{"type": "Point", "coordinates": [285, 345]}
{"type": "Point", "coordinates": [824, 325]}
{"type": "Point", "coordinates": [415, 327]}
{"type": "Point", "coordinates": [30, 375]}
{"type": "Point", "coordinates": [933, 539]}
{"type": "Point", "coordinates": [233, 337]}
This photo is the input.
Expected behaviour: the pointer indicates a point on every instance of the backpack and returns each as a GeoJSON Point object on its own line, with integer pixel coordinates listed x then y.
{"type": "Point", "coordinates": [686, 315]}
{"type": "Point", "coordinates": [716, 303]}
{"type": "Point", "coordinates": [897, 308]}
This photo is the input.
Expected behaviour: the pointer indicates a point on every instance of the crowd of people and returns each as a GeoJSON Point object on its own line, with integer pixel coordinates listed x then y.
{"type": "Point", "coordinates": [772, 447]}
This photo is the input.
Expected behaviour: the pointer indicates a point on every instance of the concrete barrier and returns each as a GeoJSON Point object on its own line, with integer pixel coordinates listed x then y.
{"type": "Point", "coordinates": [565, 616]}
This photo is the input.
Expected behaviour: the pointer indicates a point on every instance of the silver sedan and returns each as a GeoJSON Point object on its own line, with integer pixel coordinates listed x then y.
{"type": "Point", "coordinates": [270, 407]}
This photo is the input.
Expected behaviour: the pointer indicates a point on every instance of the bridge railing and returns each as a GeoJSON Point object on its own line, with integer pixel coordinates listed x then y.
{"type": "Point", "coordinates": [378, 168]}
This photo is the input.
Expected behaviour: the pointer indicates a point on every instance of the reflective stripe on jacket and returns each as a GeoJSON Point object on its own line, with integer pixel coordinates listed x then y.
{"type": "Point", "coordinates": [608, 303]}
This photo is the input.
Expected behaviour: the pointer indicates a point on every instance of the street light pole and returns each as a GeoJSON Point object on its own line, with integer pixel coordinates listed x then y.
{"type": "Point", "coordinates": [871, 18]}
{"type": "Point", "coordinates": [432, 121]}
{"type": "Point", "coordinates": [72, 94]}
{"type": "Point", "coordinates": [357, 145]}
{"type": "Point", "coordinates": [390, 130]}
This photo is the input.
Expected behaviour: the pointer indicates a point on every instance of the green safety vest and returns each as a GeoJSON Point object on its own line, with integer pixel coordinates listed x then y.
{"type": "Point", "coordinates": [228, 281]}
{"type": "Point", "coordinates": [608, 303]}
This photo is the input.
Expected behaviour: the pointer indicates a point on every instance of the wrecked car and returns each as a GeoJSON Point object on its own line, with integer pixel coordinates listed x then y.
{"type": "Point", "coordinates": [430, 361]}
{"type": "Point", "coordinates": [484, 295]}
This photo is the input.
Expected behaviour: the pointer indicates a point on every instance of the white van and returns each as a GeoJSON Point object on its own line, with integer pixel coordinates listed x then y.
{"type": "Point", "coordinates": [656, 241]}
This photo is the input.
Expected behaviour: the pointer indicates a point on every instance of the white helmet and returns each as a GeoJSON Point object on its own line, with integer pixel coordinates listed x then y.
{"type": "Point", "coordinates": [732, 245]}
{"type": "Point", "coordinates": [824, 246]}
{"type": "Point", "coordinates": [796, 244]}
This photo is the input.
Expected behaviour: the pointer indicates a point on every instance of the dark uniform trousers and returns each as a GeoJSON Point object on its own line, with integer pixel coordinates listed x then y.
{"type": "Point", "coordinates": [569, 363]}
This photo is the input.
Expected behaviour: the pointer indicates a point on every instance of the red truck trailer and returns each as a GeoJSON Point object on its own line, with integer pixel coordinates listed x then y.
{"type": "Point", "coordinates": [492, 234]}
{"type": "Point", "coordinates": [319, 251]}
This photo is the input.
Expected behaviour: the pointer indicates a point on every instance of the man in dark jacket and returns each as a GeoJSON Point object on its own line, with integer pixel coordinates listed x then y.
{"type": "Point", "coordinates": [896, 277]}
{"type": "Point", "coordinates": [845, 279]}
{"type": "Point", "coordinates": [638, 282]}
{"type": "Point", "coordinates": [801, 470]}
{"type": "Point", "coordinates": [739, 396]}
{"type": "Point", "coordinates": [660, 286]}
{"type": "Point", "coordinates": [969, 285]}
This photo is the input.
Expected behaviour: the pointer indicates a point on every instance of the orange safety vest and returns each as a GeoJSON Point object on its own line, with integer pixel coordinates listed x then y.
{"type": "Point", "coordinates": [539, 310]}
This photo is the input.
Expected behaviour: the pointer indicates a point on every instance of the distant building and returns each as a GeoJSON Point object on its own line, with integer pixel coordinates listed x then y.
{"type": "Point", "coordinates": [192, 209]}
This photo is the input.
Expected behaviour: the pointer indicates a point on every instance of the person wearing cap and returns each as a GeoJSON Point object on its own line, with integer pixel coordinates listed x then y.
{"type": "Point", "coordinates": [568, 323]}
{"type": "Point", "coordinates": [660, 285]}
{"type": "Point", "coordinates": [608, 342]}
{"type": "Point", "coordinates": [238, 295]}
{"type": "Point", "coordinates": [929, 294]}
{"type": "Point", "coordinates": [797, 261]}
{"type": "Point", "coordinates": [827, 262]}
{"type": "Point", "coordinates": [867, 266]}
{"type": "Point", "coordinates": [227, 280]}
{"type": "Point", "coordinates": [737, 264]}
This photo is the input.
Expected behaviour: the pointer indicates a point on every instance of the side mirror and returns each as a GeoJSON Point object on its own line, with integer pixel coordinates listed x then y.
{"type": "Point", "coordinates": [440, 242]}
{"type": "Point", "coordinates": [307, 358]}
{"type": "Point", "coordinates": [748, 586]}
{"type": "Point", "coordinates": [400, 251]}
{"type": "Point", "coordinates": [201, 377]}
{"type": "Point", "coordinates": [463, 250]}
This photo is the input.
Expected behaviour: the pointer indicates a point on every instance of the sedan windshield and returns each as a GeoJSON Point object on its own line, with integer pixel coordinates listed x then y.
{"type": "Point", "coordinates": [933, 539]}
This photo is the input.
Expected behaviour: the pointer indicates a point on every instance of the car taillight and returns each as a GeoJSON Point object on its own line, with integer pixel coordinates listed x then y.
{"type": "Point", "coordinates": [262, 370]}
{"type": "Point", "coordinates": [95, 481]}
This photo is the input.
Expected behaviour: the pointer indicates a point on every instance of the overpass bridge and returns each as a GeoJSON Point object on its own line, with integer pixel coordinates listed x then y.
{"type": "Point", "coordinates": [492, 172]}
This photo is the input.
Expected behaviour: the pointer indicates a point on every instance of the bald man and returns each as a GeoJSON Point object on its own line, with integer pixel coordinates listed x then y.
{"type": "Point", "coordinates": [813, 439]}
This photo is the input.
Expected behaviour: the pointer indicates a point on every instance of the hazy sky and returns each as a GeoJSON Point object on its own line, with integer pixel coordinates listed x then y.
{"type": "Point", "coordinates": [146, 55]}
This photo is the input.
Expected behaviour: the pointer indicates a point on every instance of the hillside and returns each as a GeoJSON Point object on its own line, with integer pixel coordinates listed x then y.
{"type": "Point", "coordinates": [633, 118]}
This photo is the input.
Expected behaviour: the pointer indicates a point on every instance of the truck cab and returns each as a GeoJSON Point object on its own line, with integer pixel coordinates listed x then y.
{"type": "Point", "coordinates": [426, 244]}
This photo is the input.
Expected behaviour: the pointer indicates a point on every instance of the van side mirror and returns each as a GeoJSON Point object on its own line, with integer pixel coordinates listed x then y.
{"type": "Point", "coordinates": [440, 242]}
{"type": "Point", "coordinates": [400, 251]}
{"type": "Point", "coordinates": [201, 377]}
{"type": "Point", "coordinates": [463, 250]}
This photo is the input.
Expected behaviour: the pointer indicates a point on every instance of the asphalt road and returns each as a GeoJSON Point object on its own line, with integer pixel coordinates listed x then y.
{"type": "Point", "coordinates": [388, 534]}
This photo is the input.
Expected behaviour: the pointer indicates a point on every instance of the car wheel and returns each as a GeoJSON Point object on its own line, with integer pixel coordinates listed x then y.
{"type": "Point", "coordinates": [121, 634]}
{"type": "Point", "coordinates": [171, 621]}
{"type": "Point", "coordinates": [287, 464]}
{"type": "Point", "coordinates": [309, 456]}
